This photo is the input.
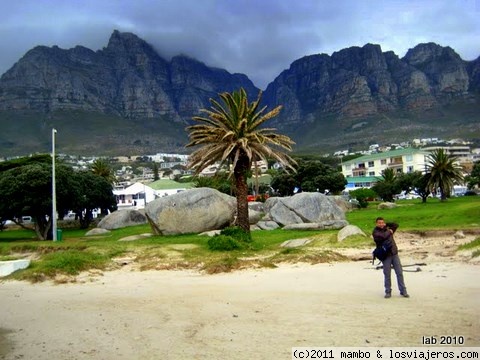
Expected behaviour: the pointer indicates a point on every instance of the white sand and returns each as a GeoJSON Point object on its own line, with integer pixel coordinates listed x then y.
{"type": "Point", "coordinates": [254, 314]}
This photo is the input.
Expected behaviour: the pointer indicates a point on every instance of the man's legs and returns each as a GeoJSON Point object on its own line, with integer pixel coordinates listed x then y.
{"type": "Point", "coordinates": [397, 266]}
{"type": "Point", "coordinates": [387, 274]}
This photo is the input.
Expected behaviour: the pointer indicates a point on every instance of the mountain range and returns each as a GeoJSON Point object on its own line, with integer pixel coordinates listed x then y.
{"type": "Point", "coordinates": [127, 99]}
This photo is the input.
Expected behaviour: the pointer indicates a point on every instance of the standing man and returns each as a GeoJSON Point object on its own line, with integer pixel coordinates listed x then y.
{"type": "Point", "coordinates": [383, 236]}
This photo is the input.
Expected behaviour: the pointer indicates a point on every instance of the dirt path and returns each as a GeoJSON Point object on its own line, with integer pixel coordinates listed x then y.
{"type": "Point", "coordinates": [253, 314]}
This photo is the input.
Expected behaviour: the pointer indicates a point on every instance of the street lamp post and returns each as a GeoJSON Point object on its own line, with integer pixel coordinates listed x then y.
{"type": "Point", "coordinates": [54, 195]}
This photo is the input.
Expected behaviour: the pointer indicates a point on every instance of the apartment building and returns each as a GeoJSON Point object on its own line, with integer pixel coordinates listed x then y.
{"type": "Point", "coordinates": [364, 171]}
{"type": "Point", "coordinates": [461, 152]}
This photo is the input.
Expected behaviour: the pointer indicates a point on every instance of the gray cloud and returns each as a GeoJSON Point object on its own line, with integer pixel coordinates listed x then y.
{"type": "Point", "coordinates": [259, 38]}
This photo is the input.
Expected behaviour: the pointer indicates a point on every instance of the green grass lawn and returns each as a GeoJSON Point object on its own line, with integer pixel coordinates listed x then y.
{"type": "Point", "coordinates": [77, 253]}
{"type": "Point", "coordinates": [454, 214]}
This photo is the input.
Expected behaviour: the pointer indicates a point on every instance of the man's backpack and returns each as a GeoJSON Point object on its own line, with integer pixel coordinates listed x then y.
{"type": "Point", "coordinates": [380, 253]}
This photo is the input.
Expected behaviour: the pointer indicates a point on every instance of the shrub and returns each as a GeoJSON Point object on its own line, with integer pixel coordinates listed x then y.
{"type": "Point", "coordinates": [223, 243]}
{"type": "Point", "coordinates": [237, 233]}
{"type": "Point", "coordinates": [363, 195]}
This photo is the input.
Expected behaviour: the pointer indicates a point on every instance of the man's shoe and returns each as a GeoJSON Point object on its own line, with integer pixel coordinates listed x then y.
{"type": "Point", "coordinates": [388, 295]}
{"type": "Point", "coordinates": [405, 295]}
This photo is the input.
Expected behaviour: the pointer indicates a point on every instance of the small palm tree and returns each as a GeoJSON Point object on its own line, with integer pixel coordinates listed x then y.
{"type": "Point", "coordinates": [387, 186]}
{"type": "Point", "coordinates": [443, 172]}
{"type": "Point", "coordinates": [231, 133]}
{"type": "Point", "coordinates": [101, 168]}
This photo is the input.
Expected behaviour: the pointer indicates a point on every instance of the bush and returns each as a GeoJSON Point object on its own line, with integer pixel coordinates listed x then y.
{"type": "Point", "coordinates": [223, 243]}
{"type": "Point", "coordinates": [362, 195]}
{"type": "Point", "coordinates": [237, 233]}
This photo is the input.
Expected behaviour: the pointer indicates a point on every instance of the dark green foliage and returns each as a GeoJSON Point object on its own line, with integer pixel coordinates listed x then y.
{"type": "Point", "coordinates": [363, 195]}
{"type": "Point", "coordinates": [27, 190]}
{"type": "Point", "coordinates": [310, 176]}
{"type": "Point", "coordinates": [155, 172]}
{"type": "Point", "coordinates": [443, 172]}
{"type": "Point", "coordinates": [220, 182]}
{"type": "Point", "coordinates": [223, 243]}
{"type": "Point", "coordinates": [283, 183]}
{"type": "Point", "coordinates": [474, 178]}
{"type": "Point", "coordinates": [237, 233]}
{"type": "Point", "coordinates": [93, 191]}
{"type": "Point", "coordinates": [387, 186]}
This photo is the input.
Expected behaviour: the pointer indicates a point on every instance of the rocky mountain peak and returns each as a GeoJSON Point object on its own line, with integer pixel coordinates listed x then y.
{"type": "Point", "coordinates": [360, 59]}
{"type": "Point", "coordinates": [125, 41]}
{"type": "Point", "coordinates": [428, 52]}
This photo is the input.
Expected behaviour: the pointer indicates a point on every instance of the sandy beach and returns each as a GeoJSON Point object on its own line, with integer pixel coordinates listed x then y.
{"type": "Point", "coordinates": [249, 314]}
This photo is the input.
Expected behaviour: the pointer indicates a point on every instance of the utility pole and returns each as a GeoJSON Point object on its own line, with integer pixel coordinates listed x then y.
{"type": "Point", "coordinates": [54, 195]}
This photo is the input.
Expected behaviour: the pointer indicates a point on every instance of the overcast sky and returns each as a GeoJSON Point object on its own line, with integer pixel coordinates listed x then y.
{"type": "Point", "coordinates": [259, 38]}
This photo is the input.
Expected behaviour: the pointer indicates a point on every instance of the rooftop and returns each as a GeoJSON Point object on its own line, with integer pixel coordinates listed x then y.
{"type": "Point", "coordinates": [386, 154]}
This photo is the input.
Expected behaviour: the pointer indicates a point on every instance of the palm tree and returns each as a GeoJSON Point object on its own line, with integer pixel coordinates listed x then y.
{"type": "Point", "coordinates": [443, 172]}
{"type": "Point", "coordinates": [387, 186]}
{"type": "Point", "coordinates": [231, 134]}
{"type": "Point", "coordinates": [101, 168]}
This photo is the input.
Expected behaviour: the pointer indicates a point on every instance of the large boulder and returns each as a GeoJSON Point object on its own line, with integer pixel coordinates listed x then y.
{"type": "Point", "coordinates": [254, 216]}
{"type": "Point", "coordinates": [349, 230]}
{"type": "Point", "coordinates": [122, 218]}
{"type": "Point", "coordinates": [192, 211]}
{"type": "Point", "coordinates": [97, 231]}
{"type": "Point", "coordinates": [256, 206]}
{"type": "Point", "coordinates": [386, 206]}
{"type": "Point", "coordinates": [303, 208]}
{"type": "Point", "coordinates": [267, 225]}
{"type": "Point", "coordinates": [323, 225]}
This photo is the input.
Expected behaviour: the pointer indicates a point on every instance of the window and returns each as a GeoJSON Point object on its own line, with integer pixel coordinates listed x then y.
{"type": "Point", "coordinates": [409, 158]}
{"type": "Point", "coordinates": [383, 162]}
{"type": "Point", "coordinates": [371, 173]}
{"type": "Point", "coordinates": [348, 167]}
{"type": "Point", "coordinates": [371, 164]}
{"type": "Point", "coordinates": [409, 169]}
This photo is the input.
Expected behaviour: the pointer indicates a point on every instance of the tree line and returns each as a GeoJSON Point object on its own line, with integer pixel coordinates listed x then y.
{"type": "Point", "coordinates": [26, 189]}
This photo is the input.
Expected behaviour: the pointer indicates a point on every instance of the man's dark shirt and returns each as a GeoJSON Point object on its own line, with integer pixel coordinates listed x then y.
{"type": "Point", "coordinates": [385, 237]}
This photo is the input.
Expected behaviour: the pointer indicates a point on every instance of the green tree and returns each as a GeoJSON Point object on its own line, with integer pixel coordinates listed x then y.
{"type": "Point", "coordinates": [27, 190]}
{"type": "Point", "coordinates": [155, 172]}
{"type": "Point", "coordinates": [232, 133]}
{"type": "Point", "coordinates": [284, 183]}
{"type": "Point", "coordinates": [362, 195]}
{"type": "Point", "coordinates": [219, 181]}
{"type": "Point", "coordinates": [93, 191]}
{"type": "Point", "coordinates": [474, 178]}
{"type": "Point", "coordinates": [416, 182]}
{"type": "Point", "coordinates": [387, 186]}
{"type": "Point", "coordinates": [101, 168]}
{"type": "Point", "coordinates": [443, 171]}
{"type": "Point", "coordinates": [311, 176]}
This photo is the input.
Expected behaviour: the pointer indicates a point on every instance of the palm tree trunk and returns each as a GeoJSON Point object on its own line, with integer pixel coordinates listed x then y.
{"type": "Point", "coordinates": [240, 175]}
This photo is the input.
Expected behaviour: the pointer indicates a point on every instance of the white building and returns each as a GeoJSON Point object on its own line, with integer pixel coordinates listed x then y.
{"type": "Point", "coordinates": [364, 171]}
{"type": "Point", "coordinates": [135, 196]}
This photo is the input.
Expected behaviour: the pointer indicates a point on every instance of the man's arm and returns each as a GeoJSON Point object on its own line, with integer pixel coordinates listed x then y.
{"type": "Point", "coordinates": [392, 226]}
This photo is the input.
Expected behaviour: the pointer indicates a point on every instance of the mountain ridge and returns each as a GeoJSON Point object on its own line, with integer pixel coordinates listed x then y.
{"type": "Point", "coordinates": [146, 101]}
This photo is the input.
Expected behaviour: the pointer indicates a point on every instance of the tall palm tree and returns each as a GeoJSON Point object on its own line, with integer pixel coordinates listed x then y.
{"type": "Point", "coordinates": [101, 168]}
{"type": "Point", "coordinates": [231, 133]}
{"type": "Point", "coordinates": [443, 172]}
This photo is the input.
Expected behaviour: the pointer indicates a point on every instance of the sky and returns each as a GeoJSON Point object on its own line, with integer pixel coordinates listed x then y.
{"type": "Point", "coordinates": [259, 38]}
